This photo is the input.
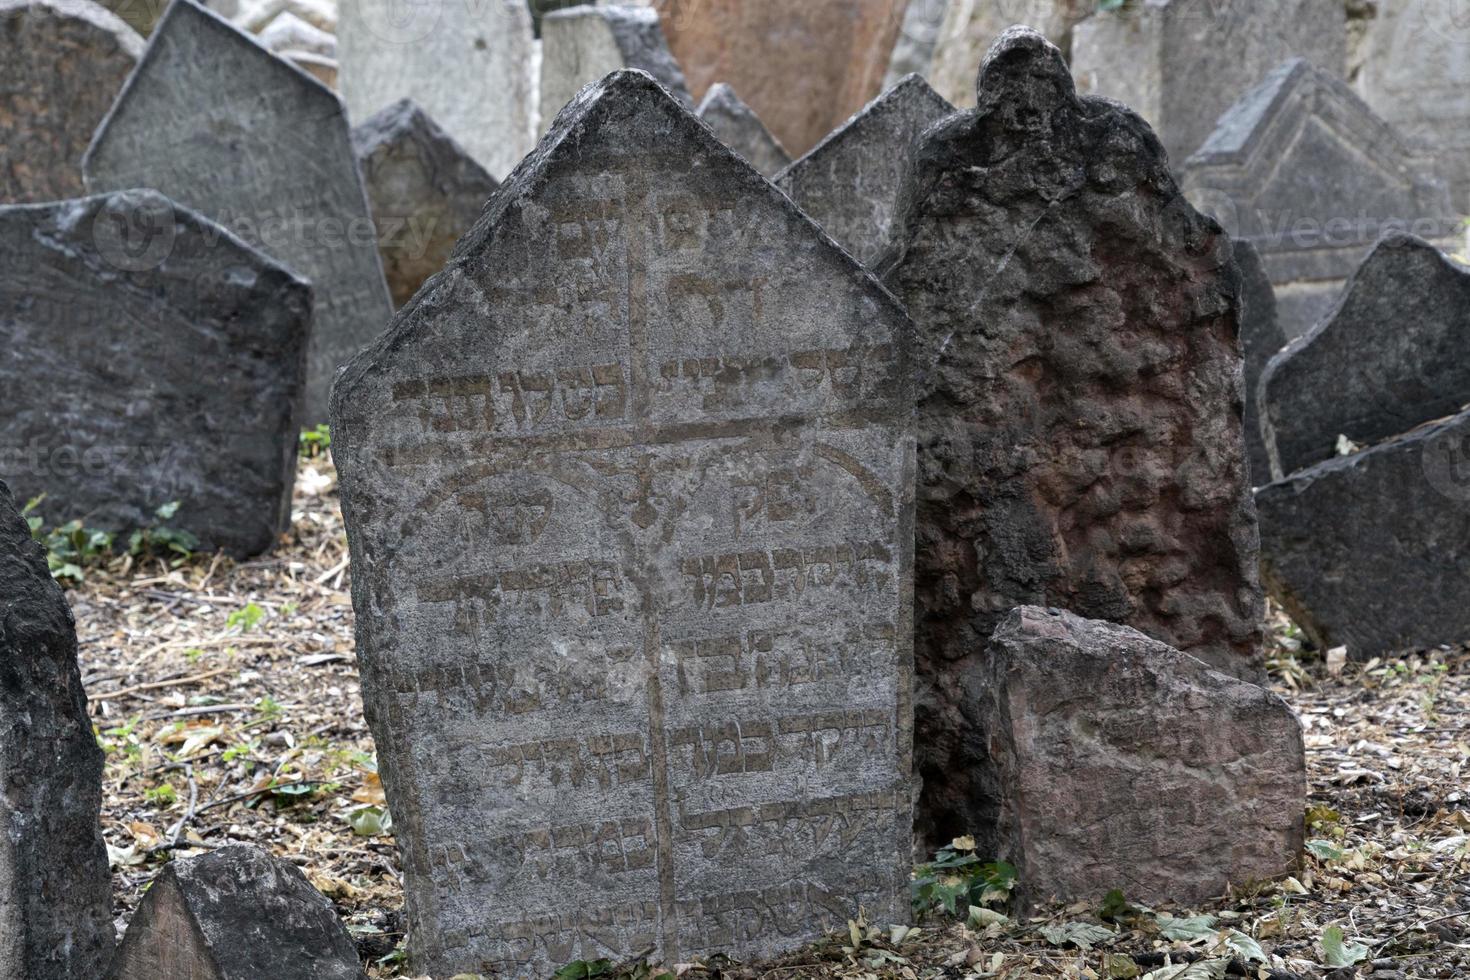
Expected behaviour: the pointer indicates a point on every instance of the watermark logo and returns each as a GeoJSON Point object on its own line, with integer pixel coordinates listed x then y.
{"type": "Point", "coordinates": [135, 233]}
{"type": "Point", "coordinates": [1446, 462]}
{"type": "Point", "coordinates": [399, 21]}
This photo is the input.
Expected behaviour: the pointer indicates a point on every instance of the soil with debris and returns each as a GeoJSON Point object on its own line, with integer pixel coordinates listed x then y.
{"type": "Point", "coordinates": [226, 697]}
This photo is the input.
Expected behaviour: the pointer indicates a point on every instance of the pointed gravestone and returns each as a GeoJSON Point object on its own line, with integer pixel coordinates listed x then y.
{"type": "Point", "coordinates": [849, 182]}
{"type": "Point", "coordinates": [1305, 172]}
{"type": "Point", "coordinates": [579, 45]}
{"type": "Point", "coordinates": [150, 358]}
{"type": "Point", "coordinates": [425, 192]}
{"type": "Point", "coordinates": [1395, 353]}
{"type": "Point", "coordinates": [1080, 431]}
{"type": "Point", "coordinates": [739, 128]}
{"type": "Point", "coordinates": [234, 914]}
{"type": "Point", "coordinates": [469, 63]}
{"type": "Point", "coordinates": [626, 494]}
{"type": "Point", "coordinates": [220, 125]}
{"type": "Point", "coordinates": [55, 897]}
{"type": "Point", "coordinates": [970, 27]}
{"type": "Point", "coordinates": [1261, 337]}
{"type": "Point", "coordinates": [64, 61]}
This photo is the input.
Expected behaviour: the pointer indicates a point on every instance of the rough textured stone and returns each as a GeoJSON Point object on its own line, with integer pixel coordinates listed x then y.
{"type": "Point", "coordinates": [1181, 63]}
{"type": "Point", "coordinates": [469, 64]}
{"type": "Point", "coordinates": [150, 357]}
{"type": "Point", "coordinates": [1080, 430]}
{"type": "Point", "coordinates": [581, 44]}
{"type": "Point", "coordinates": [1109, 760]}
{"type": "Point", "coordinates": [64, 60]}
{"type": "Point", "coordinates": [849, 182]}
{"type": "Point", "coordinates": [1261, 337]}
{"type": "Point", "coordinates": [1302, 169]}
{"type": "Point", "coordinates": [1369, 551]}
{"type": "Point", "coordinates": [55, 896]}
{"type": "Point", "coordinates": [234, 914]}
{"type": "Point", "coordinates": [628, 495]}
{"type": "Point", "coordinates": [1395, 353]}
{"type": "Point", "coordinates": [425, 192]}
{"type": "Point", "coordinates": [220, 125]}
{"type": "Point", "coordinates": [739, 128]}
{"type": "Point", "coordinates": [970, 27]}
{"type": "Point", "coordinates": [913, 52]}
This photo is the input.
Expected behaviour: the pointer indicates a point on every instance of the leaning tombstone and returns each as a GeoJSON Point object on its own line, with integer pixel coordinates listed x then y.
{"type": "Point", "coordinates": [1261, 337]}
{"type": "Point", "coordinates": [64, 61]}
{"type": "Point", "coordinates": [970, 27]}
{"type": "Point", "coordinates": [581, 44]}
{"type": "Point", "coordinates": [55, 895]}
{"type": "Point", "coordinates": [849, 182]}
{"type": "Point", "coordinates": [278, 172]}
{"type": "Point", "coordinates": [739, 128]}
{"type": "Point", "coordinates": [425, 191]}
{"type": "Point", "coordinates": [1079, 413]}
{"type": "Point", "coordinates": [234, 914]}
{"type": "Point", "coordinates": [152, 360]}
{"type": "Point", "coordinates": [627, 488]}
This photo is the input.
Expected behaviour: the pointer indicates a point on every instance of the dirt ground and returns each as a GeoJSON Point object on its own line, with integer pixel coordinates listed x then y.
{"type": "Point", "coordinates": [226, 698]}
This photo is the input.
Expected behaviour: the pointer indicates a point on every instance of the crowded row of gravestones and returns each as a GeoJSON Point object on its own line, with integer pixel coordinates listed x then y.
{"type": "Point", "coordinates": [697, 518]}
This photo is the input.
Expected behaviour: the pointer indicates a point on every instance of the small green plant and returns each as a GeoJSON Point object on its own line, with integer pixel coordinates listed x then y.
{"type": "Point", "coordinates": [161, 541]}
{"type": "Point", "coordinates": [162, 795]}
{"type": "Point", "coordinates": [73, 547]}
{"type": "Point", "coordinates": [957, 879]}
{"type": "Point", "coordinates": [245, 619]}
{"type": "Point", "coordinates": [270, 709]}
{"type": "Point", "coordinates": [315, 441]}
{"type": "Point", "coordinates": [584, 969]}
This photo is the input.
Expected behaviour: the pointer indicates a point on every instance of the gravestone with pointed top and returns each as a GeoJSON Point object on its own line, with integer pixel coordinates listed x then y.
{"type": "Point", "coordinates": [610, 481]}
{"type": "Point", "coordinates": [739, 128]}
{"type": "Point", "coordinates": [970, 27]}
{"type": "Point", "coordinates": [1261, 337]}
{"type": "Point", "coordinates": [219, 124]}
{"type": "Point", "coordinates": [579, 45]}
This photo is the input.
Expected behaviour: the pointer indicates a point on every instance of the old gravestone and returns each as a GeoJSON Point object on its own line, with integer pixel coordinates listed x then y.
{"type": "Point", "coordinates": [234, 914]}
{"type": "Point", "coordinates": [425, 192]}
{"type": "Point", "coordinates": [913, 51]}
{"type": "Point", "coordinates": [220, 125]}
{"type": "Point", "coordinates": [1261, 337]}
{"type": "Point", "coordinates": [1305, 172]}
{"type": "Point", "coordinates": [626, 495]}
{"type": "Point", "coordinates": [739, 128]}
{"type": "Point", "coordinates": [970, 27]}
{"type": "Point", "coordinates": [469, 64]}
{"type": "Point", "coordinates": [581, 44]}
{"type": "Point", "coordinates": [150, 358]}
{"type": "Point", "coordinates": [55, 898]}
{"type": "Point", "coordinates": [849, 183]}
{"type": "Point", "coordinates": [64, 60]}
{"type": "Point", "coordinates": [1394, 353]}
{"type": "Point", "coordinates": [1080, 432]}
{"type": "Point", "coordinates": [1181, 63]}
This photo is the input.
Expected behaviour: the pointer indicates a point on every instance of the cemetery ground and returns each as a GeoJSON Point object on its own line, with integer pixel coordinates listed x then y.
{"type": "Point", "coordinates": [225, 696]}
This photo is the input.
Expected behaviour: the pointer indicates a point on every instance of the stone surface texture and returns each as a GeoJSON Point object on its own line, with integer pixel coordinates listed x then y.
{"type": "Point", "coordinates": [970, 27]}
{"type": "Point", "coordinates": [913, 52]}
{"type": "Point", "coordinates": [739, 128]}
{"type": "Point", "coordinates": [628, 493]}
{"type": "Point", "coordinates": [1261, 338]}
{"type": "Point", "coordinates": [580, 45]}
{"type": "Point", "coordinates": [1081, 441]}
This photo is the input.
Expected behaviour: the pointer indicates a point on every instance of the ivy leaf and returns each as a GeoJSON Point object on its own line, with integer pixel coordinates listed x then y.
{"type": "Point", "coordinates": [1083, 935]}
{"type": "Point", "coordinates": [1245, 947]}
{"type": "Point", "coordinates": [1338, 952]}
{"type": "Point", "coordinates": [1188, 930]}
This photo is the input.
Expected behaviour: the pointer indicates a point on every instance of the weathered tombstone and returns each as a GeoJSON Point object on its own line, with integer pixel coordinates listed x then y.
{"type": "Point", "coordinates": [913, 52]}
{"type": "Point", "coordinates": [1079, 414]}
{"type": "Point", "coordinates": [234, 914]}
{"type": "Point", "coordinates": [1261, 337]}
{"type": "Point", "coordinates": [256, 15]}
{"type": "Point", "coordinates": [64, 61]}
{"type": "Point", "coordinates": [55, 896]}
{"type": "Point", "coordinates": [1395, 353]}
{"type": "Point", "coordinates": [1305, 172]}
{"type": "Point", "coordinates": [581, 44]}
{"type": "Point", "coordinates": [1105, 758]}
{"type": "Point", "coordinates": [970, 27]}
{"type": "Point", "coordinates": [469, 64]}
{"type": "Point", "coordinates": [739, 128]}
{"type": "Point", "coordinates": [288, 32]}
{"type": "Point", "coordinates": [222, 126]}
{"type": "Point", "coordinates": [150, 358]}
{"type": "Point", "coordinates": [1181, 63]}
{"type": "Point", "coordinates": [425, 192]}
{"type": "Point", "coordinates": [849, 183]}
{"type": "Point", "coordinates": [627, 490]}
{"type": "Point", "coordinates": [1370, 551]}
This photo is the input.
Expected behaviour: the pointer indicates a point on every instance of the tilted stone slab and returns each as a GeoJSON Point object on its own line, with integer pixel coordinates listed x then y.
{"type": "Point", "coordinates": [849, 183]}
{"type": "Point", "coordinates": [425, 192]}
{"type": "Point", "coordinates": [150, 358]}
{"type": "Point", "coordinates": [1261, 338]}
{"type": "Point", "coordinates": [579, 45]}
{"type": "Point", "coordinates": [1081, 441]}
{"type": "Point", "coordinates": [1109, 760]}
{"type": "Point", "coordinates": [739, 128]}
{"type": "Point", "coordinates": [65, 61]}
{"type": "Point", "coordinates": [970, 27]}
{"type": "Point", "coordinates": [234, 914]}
{"type": "Point", "coordinates": [627, 490]}
{"type": "Point", "coordinates": [55, 895]}
{"type": "Point", "coordinates": [220, 125]}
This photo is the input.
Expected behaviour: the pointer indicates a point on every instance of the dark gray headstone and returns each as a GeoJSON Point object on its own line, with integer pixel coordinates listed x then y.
{"type": "Point", "coordinates": [424, 189]}
{"type": "Point", "coordinates": [1395, 353]}
{"type": "Point", "coordinates": [234, 914]}
{"type": "Point", "coordinates": [221, 125]}
{"type": "Point", "coordinates": [627, 491]}
{"type": "Point", "coordinates": [849, 182]}
{"type": "Point", "coordinates": [64, 61]}
{"type": "Point", "coordinates": [739, 128]}
{"type": "Point", "coordinates": [149, 357]}
{"type": "Point", "coordinates": [1261, 337]}
{"type": "Point", "coordinates": [55, 895]}
{"type": "Point", "coordinates": [1081, 441]}
{"type": "Point", "coordinates": [579, 45]}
